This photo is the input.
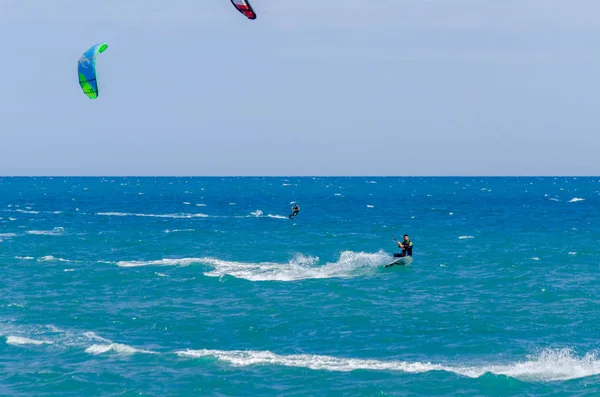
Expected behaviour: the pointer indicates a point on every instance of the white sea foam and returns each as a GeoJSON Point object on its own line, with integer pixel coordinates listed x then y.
{"type": "Point", "coordinates": [27, 211]}
{"type": "Point", "coordinates": [19, 341]}
{"type": "Point", "coordinates": [465, 237]}
{"type": "Point", "coordinates": [8, 235]}
{"type": "Point", "coordinates": [349, 264]}
{"type": "Point", "coordinates": [25, 258]}
{"type": "Point", "coordinates": [275, 216]}
{"type": "Point", "coordinates": [576, 199]}
{"type": "Point", "coordinates": [550, 365]}
{"type": "Point", "coordinates": [50, 258]}
{"type": "Point", "coordinates": [261, 214]}
{"type": "Point", "coordinates": [118, 348]}
{"type": "Point", "coordinates": [175, 216]}
{"type": "Point", "coordinates": [161, 262]}
{"type": "Point", "coordinates": [370, 206]}
{"type": "Point", "coordinates": [93, 336]}
{"type": "Point", "coordinates": [179, 230]}
{"type": "Point", "coordinates": [57, 231]}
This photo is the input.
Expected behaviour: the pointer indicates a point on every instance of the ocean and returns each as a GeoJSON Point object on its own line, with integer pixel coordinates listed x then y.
{"type": "Point", "coordinates": [204, 287]}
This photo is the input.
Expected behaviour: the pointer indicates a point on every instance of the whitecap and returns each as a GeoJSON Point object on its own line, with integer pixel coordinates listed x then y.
{"type": "Point", "coordinates": [57, 231]}
{"type": "Point", "coordinates": [118, 348]}
{"type": "Point", "coordinates": [465, 237]}
{"type": "Point", "coordinates": [50, 258]}
{"type": "Point", "coordinates": [576, 199]}
{"type": "Point", "coordinates": [20, 341]}
{"type": "Point", "coordinates": [550, 365]}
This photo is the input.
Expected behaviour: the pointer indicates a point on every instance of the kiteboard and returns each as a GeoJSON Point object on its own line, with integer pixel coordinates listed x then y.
{"type": "Point", "coordinates": [405, 260]}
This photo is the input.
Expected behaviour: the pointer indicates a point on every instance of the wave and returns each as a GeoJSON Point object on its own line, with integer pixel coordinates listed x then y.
{"type": "Point", "coordinates": [117, 348]}
{"type": "Point", "coordinates": [465, 237]}
{"type": "Point", "coordinates": [550, 365]}
{"type": "Point", "coordinates": [162, 262]}
{"type": "Point", "coordinates": [576, 199]}
{"type": "Point", "coordinates": [174, 216]}
{"type": "Point", "coordinates": [179, 230]}
{"type": "Point", "coordinates": [26, 211]}
{"type": "Point", "coordinates": [50, 258]}
{"type": "Point", "coordinates": [349, 264]}
{"type": "Point", "coordinates": [20, 341]}
{"type": "Point", "coordinates": [7, 235]}
{"type": "Point", "coordinates": [57, 231]}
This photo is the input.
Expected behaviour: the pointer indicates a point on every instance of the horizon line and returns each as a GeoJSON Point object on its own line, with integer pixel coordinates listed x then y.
{"type": "Point", "coordinates": [299, 176]}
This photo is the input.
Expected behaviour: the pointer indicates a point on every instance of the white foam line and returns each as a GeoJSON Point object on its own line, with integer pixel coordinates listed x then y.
{"type": "Point", "coordinates": [118, 348]}
{"type": "Point", "coordinates": [174, 216]}
{"type": "Point", "coordinates": [349, 264]}
{"type": "Point", "coordinates": [551, 365]}
{"type": "Point", "coordinates": [20, 341]}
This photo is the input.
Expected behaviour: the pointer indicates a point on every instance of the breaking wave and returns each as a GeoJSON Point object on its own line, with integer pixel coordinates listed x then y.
{"type": "Point", "coordinates": [118, 348]}
{"type": "Point", "coordinates": [550, 365]}
{"type": "Point", "coordinates": [20, 341]}
{"type": "Point", "coordinates": [57, 231]}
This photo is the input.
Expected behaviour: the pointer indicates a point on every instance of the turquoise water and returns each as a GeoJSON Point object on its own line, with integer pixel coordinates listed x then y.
{"type": "Point", "coordinates": [202, 286]}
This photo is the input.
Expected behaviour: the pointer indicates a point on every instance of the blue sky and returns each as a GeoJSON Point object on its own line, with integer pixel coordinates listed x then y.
{"type": "Point", "coordinates": [312, 87]}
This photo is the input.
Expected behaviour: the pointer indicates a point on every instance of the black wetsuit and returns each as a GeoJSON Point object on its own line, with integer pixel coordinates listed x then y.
{"type": "Point", "coordinates": [406, 251]}
{"type": "Point", "coordinates": [295, 211]}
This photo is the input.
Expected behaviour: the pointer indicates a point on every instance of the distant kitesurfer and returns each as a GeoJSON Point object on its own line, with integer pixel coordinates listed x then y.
{"type": "Point", "coordinates": [406, 247]}
{"type": "Point", "coordinates": [295, 210]}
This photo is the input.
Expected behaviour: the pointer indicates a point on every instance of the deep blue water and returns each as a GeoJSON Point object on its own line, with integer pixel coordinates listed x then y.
{"type": "Point", "coordinates": [202, 286]}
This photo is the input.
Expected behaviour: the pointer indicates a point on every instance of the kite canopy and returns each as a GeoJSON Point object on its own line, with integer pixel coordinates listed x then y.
{"type": "Point", "coordinates": [87, 70]}
{"type": "Point", "coordinates": [245, 8]}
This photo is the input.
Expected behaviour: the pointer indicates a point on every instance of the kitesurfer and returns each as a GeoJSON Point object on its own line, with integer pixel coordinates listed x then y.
{"type": "Point", "coordinates": [406, 247]}
{"type": "Point", "coordinates": [295, 210]}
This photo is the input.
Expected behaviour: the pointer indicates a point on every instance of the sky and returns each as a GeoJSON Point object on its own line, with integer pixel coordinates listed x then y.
{"type": "Point", "coordinates": [311, 87]}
